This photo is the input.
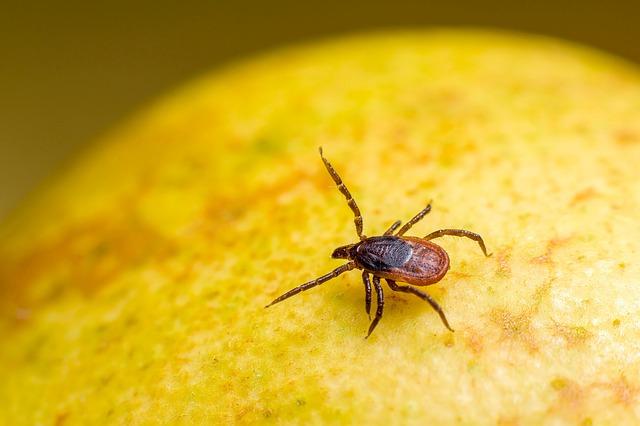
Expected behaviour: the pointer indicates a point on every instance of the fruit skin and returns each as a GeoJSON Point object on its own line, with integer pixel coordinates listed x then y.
{"type": "Point", "coordinates": [133, 283]}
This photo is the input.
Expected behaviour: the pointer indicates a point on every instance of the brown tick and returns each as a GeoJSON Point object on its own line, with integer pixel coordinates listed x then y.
{"type": "Point", "coordinates": [412, 260]}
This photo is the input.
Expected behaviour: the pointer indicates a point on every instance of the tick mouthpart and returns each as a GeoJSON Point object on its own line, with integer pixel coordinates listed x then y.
{"type": "Point", "coordinates": [343, 252]}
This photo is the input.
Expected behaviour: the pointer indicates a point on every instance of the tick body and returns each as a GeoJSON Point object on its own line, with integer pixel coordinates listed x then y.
{"type": "Point", "coordinates": [392, 257]}
{"type": "Point", "coordinates": [407, 259]}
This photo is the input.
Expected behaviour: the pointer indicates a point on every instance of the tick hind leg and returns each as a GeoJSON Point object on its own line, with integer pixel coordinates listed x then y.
{"type": "Point", "coordinates": [310, 284]}
{"type": "Point", "coordinates": [417, 218]}
{"type": "Point", "coordinates": [342, 188]}
{"type": "Point", "coordinates": [367, 292]}
{"type": "Point", "coordinates": [460, 233]}
{"type": "Point", "coordinates": [423, 296]}
{"type": "Point", "coordinates": [378, 287]}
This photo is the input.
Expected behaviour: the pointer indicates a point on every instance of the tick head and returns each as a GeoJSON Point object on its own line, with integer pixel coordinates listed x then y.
{"type": "Point", "coordinates": [344, 252]}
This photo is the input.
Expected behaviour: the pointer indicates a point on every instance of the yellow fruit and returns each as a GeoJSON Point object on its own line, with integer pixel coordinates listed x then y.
{"type": "Point", "coordinates": [133, 284]}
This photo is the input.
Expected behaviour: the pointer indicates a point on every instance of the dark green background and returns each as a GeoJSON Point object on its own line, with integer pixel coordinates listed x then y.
{"type": "Point", "coordinates": [70, 70]}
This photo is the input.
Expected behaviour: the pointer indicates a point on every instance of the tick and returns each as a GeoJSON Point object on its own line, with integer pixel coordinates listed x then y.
{"type": "Point", "coordinates": [392, 257]}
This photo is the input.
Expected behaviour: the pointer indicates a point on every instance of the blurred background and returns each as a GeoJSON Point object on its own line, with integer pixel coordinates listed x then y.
{"type": "Point", "coordinates": [71, 70]}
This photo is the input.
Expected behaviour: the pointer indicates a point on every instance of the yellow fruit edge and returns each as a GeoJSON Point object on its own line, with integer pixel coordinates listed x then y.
{"type": "Point", "coordinates": [133, 284]}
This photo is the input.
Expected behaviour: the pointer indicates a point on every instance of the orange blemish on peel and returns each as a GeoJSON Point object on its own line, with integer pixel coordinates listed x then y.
{"type": "Point", "coordinates": [624, 393]}
{"type": "Point", "coordinates": [553, 244]}
{"type": "Point", "coordinates": [518, 326]}
{"type": "Point", "coordinates": [474, 341]}
{"type": "Point", "coordinates": [572, 335]}
{"type": "Point", "coordinates": [503, 257]}
{"type": "Point", "coordinates": [627, 137]}
{"type": "Point", "coordinates": [571, 398]}
{"type": "Point", "coordinates": [515, 327]}
{"type": "Point", "coordinates": [85, 258]}
{"type": "Point", "coordinates": [584, 195]}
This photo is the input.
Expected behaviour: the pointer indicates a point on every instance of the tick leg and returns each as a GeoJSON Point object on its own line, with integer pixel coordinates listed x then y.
{"type": "Point", "coordinates": [392, 228]}
{"type": "Point", "coordinates": [423, 296]}
{"type": "Point", "coordinates": [306, 286]}
{"type": "Point", "coordinates": [417, 218]}
{"type": "Point", "coordinates": [378, 287]}
{"type": "Point", "coordinates": [367, 292]}
{"type": "Point", "coordinates": [460, 233]}
{"type": "Point", "coordinates": [350, 201]}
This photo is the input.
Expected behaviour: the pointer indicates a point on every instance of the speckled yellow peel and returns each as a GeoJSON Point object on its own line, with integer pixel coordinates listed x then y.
{"type": "Point", "coordinates": [132, 286]}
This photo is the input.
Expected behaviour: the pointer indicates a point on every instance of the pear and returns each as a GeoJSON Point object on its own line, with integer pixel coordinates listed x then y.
{"type": "Point", "coordinates": [133, 283]}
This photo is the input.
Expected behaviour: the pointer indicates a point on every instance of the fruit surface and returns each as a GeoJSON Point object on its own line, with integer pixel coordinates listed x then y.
{"type": "Point", "coordinates": [133, 283]}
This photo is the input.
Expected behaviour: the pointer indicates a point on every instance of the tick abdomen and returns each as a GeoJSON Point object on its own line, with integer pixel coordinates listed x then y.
{"type": "Point", "coordinates": [408, 259]}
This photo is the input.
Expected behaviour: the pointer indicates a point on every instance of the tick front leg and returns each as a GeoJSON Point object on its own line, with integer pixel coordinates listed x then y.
{"type": "Point", "coordinates": [378, 287]}
{"type": "Point", "coordinates": [460, 233]}
{"type": "Point", "coordinates": [392, 228]}
{"type": "Point", "coordinates": [417, 218]}
{"type": "Point", "coordinates": [423, 296]}
{"type": "Point", "coordinates": [343, 189]}
{"type": "Point", "coordinates": [306, 286]}
{"type": "Point", "coordinates": [367, 292]}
